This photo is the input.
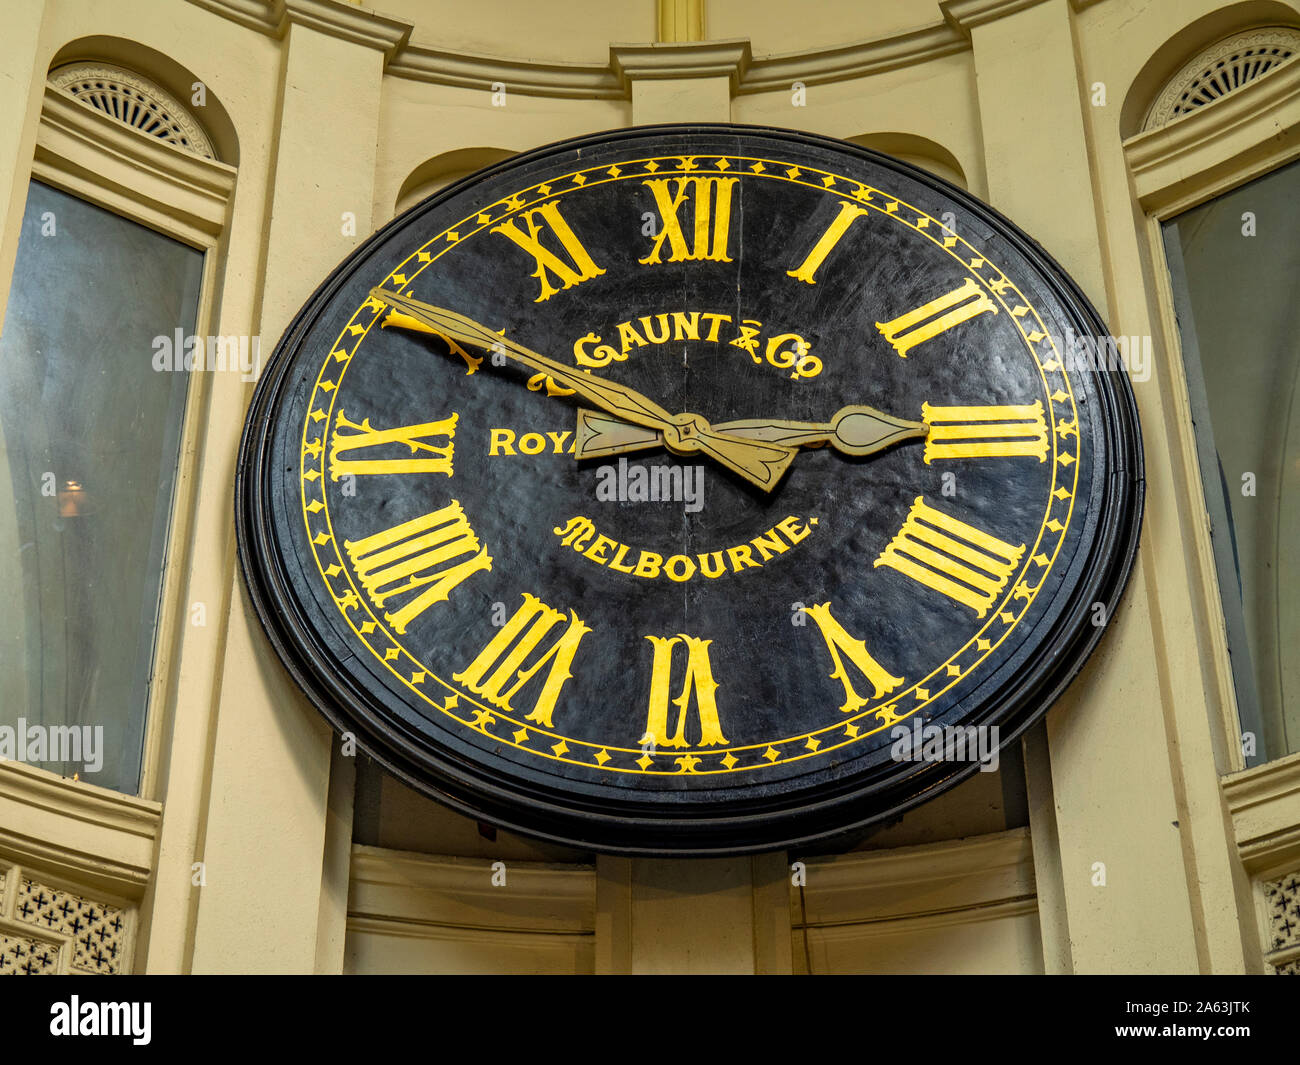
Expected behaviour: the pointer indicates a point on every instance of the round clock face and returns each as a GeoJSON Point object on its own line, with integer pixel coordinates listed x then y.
{"type": "Point", "coordinates": [690, 490]}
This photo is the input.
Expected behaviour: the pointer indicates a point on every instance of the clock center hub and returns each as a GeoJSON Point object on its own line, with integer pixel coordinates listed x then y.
{"type": "Point", "coordinates": [682, 437]}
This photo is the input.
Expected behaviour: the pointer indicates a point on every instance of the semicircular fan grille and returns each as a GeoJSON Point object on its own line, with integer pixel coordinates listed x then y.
{"type": "Point", "coordinates": [136, 101]}
{"type": "Point", "coordinates": [1221, 69]}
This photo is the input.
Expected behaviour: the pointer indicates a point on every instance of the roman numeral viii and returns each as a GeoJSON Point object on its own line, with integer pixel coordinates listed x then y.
{"type": "Point", "coordinates": [547, 220]}
{"type": "Point", "coordinates": [502, 667]}
{"type": "Point", "coordinates": [427, 556]}
{"type": "Point", "coordinates": [949, 556]}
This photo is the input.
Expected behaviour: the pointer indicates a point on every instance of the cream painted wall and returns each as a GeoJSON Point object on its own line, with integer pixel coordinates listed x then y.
{"type": "Point", "coordinates": [576, 32]}
{"type": "Point", "coordinates": [775, 28]}
{"type": "Point", "coordinates": [335, 105]}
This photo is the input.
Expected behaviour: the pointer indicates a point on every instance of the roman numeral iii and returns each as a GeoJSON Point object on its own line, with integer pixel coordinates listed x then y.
{"type": "Point", "coordinates": [710, 199]}
{"type": "Point", "coordinates": [428, 556]}
{"type": "Point", "coordinates": [937, 316]}
{"type": "Point", "coordinates": [951, 557]}
{"type": "Point", "coordinates": [546, 220]}
{"type": "Point", "coordinates": [985, 432]}
{"type": "Point", "coordinates": [502, 668]}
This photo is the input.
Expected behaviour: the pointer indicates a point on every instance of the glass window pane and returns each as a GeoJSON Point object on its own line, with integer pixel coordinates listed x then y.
{"type": "Point", "coordinates": [89, 445]}
{"type": "Point", "coordinates": [1235, 263]}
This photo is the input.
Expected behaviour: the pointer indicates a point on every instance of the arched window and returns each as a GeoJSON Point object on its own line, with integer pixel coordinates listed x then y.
{"type": "Point", "coordinates": [111, 291]}
{"type": "Point", "coordinates": [1230, 236]}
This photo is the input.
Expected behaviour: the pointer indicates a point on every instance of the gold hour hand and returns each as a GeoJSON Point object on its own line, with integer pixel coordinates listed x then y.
{"type": "Point", "coordinates": [855, 430]}
{"type": "Point", "coordinates": [600, 436]}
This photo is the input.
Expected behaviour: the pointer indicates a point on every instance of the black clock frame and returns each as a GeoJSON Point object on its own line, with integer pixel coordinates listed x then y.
{"type": "Point", "coordinates": [855, 804]}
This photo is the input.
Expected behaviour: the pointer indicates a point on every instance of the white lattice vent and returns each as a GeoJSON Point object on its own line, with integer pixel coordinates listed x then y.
{"type": "Point", "coordinates": [1223, 68]}
{"type": "Point", "coordinates": [136, 101]}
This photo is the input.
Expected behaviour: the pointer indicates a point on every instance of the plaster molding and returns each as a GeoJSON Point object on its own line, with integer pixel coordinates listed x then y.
{"type": "Point", "coordinates": [261, 15]}
{"type": "Point", "coordinates": [1264, 803]}
{"type": "Point", "coordinates": [920, 881]}
{"type": "Point", "coordinates": [534, 943]}
{"type": "Point", "coordinates": [91, 835]}
{"type": "Point", "coordinates": [858, 60]}
{"type": "Point", "coordinates": [913, 924]}
{"type": "Point", "coordinates": [390, 885]}
{"type": "Point", "coordinates": [684, 59]}
{"type": "Point", "coordinates": [347, 22]}
{"type": "Point", "coordinates": [470, 71]}
{"type": "Point", "coordinates": [965, 15]}
{"type": "Point", "coordinates": [627, 62]}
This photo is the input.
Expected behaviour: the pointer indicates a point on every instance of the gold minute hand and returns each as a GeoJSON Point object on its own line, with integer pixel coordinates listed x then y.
{"type": "Point", "coordinates": [855, 430]}
{"type": "Point", "coordinates": [759, 462]}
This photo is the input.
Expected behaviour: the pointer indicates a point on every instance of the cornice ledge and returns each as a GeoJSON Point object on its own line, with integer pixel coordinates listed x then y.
{"type": "Point", "coordinates": [965, 15]}
{"type": "Point", "coordinates": [468, 70]}
{"type": "Point", "coordinates": [970, 856]}
{"type": "Point", "coordinates": [686, 59]}
{"type": "Point", "coordinates": [1263, 784]}
{"type": "Point", "coordinates": [381, 867]}
{"type": "Point", "coordinates": [1267, 851]}
{"type": "Point", "coordinates": [853, 60]}
{"type": "Point", "coordinates": [912, 922]}
{"type": "Point", "coordinates": [76, 799]}
{"type": "Point", "coordinates": [1261, 102]}
{"type": "Point", "coordinates": [357, 25]}
{"type": "Point", "coordinates": [63, 113]}
{"type": "Point", "coordinates": [260, 15]}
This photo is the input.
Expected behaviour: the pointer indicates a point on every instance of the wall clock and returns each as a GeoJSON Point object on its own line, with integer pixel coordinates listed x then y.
{"type": "Point", "coordinates": [646, 491]}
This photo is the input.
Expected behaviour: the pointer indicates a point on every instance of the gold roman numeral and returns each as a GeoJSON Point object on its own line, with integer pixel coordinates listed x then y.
{"type": "Point", "coordinates": [951, 557]}
{"type": "Point", "coordinates": [547, 219]}
{"type": "Point", "coordinates": [837, 641]}
{"type": "Point", "coordinates": [985, 432]}
{"type": "Point", "coordinates": [504, 660]}
{"type": "Point", "coordinates": [433, 458]}
{"type": "Point", "coordinates": [849, 213]}
{"type": "Point", "coordinates": [937, 316]}
{"type": "Point", "coordinates": [707, 242]}
{"type": "Point", "coordinates": [429, 555]}
{"type": "Point", "coordinates": [698, 681]}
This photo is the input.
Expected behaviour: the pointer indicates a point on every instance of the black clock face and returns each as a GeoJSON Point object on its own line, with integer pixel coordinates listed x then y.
{"type": "Point", "coordinates": [814, 479]}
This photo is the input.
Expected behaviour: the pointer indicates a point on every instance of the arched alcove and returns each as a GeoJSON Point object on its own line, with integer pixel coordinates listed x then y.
{"type": "Point", "coordinates": [185, 85]}
{"type": "Point", "coordinates": [919, 151]}
{"type": "Point", "coordinates": [1168, 61]}
{"type": "Point", "coordinates": [440, 171]}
